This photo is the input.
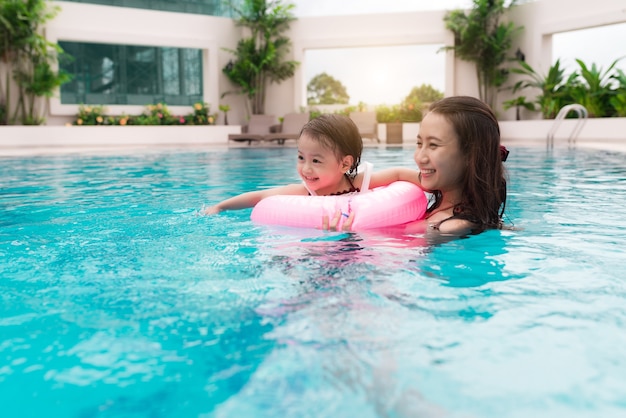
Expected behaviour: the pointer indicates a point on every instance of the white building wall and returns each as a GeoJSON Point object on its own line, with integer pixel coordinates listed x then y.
{"type": "Point", "coordinates": [541, 19]}
{"type": "Point", "coordinates": [92, 23]}
{"type": "Point", "coordinates": [78, 22]}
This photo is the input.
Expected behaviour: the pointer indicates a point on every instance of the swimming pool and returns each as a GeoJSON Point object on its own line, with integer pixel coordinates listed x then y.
{"type": "Point", "coordinates": [117, 300]}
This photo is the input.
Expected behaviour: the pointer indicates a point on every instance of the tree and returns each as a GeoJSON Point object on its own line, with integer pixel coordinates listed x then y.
{"type": "Point", "coordinates": [260, 57]}
{"type": "Point", "coordinates": [481, 38]}
{"type": "Point", "coordinates": [325, 89]}
{"type": "Point", "coordinates": [423, 94]}
{"type": "Point", "coordinates": [28, 57]}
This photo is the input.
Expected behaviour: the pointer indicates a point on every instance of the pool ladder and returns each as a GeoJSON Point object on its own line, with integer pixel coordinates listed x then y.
{"type": "Point", "coordinates": [581, 113]}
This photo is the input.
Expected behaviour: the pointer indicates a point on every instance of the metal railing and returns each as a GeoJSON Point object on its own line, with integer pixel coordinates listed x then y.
{"type": "Point", "coordinates": [581, 113]}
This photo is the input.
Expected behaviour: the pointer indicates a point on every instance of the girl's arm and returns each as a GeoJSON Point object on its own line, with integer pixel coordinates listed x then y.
{"type": "Point", "coordinates": [249, 199]}
{"type": "Point", "coordinates": [389, 175]}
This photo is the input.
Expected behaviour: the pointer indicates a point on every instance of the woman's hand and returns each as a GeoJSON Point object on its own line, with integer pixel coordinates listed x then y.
{"type": "Point", "coordinates": [331, 224]}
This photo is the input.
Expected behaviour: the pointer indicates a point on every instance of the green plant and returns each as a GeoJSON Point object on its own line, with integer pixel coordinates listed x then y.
{"type": "Point", "coordinates": [313, 112]}
{"type": "Point", "coordinates": [260, 57]}
{"type": "Point", "coordinates": [594, 90]}
{"type": "Point", "coordinates": [225, 109]}
{"type": "Point", "coordinates": [618, 101]}
{"type": "Point", "coordinates": [602, 93]}
{"type": "Point", "coordinates": [518, 103]}
{"type": "Point", "coordinates": [481, 38]}
{"type": "Point", "coordinates": [552, 87]}
{"type": "Point", "coordinates": [91, 115]}
{"type": "Point", "coordinates": [388, 114]}
{"type": "Point", "coordinates": [157, 114]}
{"type": "Point", "coordinates": [29, 58]}
{"type": "Point", "coordinates": [201, 115]}
{"type": "Point", "coordinates": [411, 109]}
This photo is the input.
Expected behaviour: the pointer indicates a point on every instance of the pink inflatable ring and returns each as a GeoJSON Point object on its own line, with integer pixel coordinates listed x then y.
{"type": "Point", "coordinates": [398, 203]}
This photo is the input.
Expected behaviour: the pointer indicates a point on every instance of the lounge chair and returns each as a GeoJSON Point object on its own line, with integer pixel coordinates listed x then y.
{"type": "Point", "coordinates": [255, 130]}
{"type": "Point", "coordinates": [290, 128]}
{"type": "Point", "coordinates": [367, 124]}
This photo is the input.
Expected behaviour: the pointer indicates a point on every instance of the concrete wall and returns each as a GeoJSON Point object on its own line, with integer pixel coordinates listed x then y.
{"type": "Point", "coordinates": [93, 23]}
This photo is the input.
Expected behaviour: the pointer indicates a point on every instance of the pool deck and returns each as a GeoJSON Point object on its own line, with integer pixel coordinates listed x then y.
{"type": "Point", "coordinates": [607, 134]}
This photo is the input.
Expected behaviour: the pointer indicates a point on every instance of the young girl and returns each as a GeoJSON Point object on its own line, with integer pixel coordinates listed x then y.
{"type": "Point", "coordinates": [329, 152]}
{"type": "Point", "coordinates": [459, 157]}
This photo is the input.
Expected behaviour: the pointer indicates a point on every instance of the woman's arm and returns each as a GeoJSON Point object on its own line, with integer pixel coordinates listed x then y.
{"type": "Point", "coordinates": [249, 199]}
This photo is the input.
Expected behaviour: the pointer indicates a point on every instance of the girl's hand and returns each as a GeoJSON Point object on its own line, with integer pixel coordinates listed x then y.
{"type": "Point", "coordinates": [211, 210]}
{"type": "Point", "coordinates": [335, 221]}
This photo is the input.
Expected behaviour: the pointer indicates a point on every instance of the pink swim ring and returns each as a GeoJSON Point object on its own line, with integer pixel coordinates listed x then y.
{"type": "Point", "coordinates": [396, 204]}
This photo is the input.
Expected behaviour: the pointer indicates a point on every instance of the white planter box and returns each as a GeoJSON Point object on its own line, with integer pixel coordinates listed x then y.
{"type": "Point", "coordinates": [113, 136]}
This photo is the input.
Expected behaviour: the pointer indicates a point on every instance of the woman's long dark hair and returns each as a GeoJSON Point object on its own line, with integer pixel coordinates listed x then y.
{"type": "Point", "coordinates": [484, 187]}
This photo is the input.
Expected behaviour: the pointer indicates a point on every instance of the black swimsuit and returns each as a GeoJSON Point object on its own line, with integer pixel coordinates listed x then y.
{"type": "Point", "coordinates": [351, 190]}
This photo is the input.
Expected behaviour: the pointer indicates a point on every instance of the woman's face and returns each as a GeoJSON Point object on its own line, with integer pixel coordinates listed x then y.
{"type": "Point", "coordinates": [319, 167]}
{"type": "Point", "coordinates": [438, 155]}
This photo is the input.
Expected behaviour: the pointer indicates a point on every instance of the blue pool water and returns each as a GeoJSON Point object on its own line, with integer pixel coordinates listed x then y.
{"type": "Point", "coordinates": [118, 300]}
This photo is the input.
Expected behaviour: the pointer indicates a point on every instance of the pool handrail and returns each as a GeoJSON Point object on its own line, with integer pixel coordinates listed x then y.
{"type": "Point", "coordinates": [581, 113]}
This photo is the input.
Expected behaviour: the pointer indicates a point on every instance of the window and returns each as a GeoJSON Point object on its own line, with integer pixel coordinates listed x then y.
{"type": "Point", "coordinates": [131, 75]}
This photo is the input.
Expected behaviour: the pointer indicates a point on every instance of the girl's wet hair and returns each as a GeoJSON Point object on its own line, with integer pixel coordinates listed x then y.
{"type": "Point", "coordinates": [339, 134]}
{"type": "Point", "coordinates": [478, 132]}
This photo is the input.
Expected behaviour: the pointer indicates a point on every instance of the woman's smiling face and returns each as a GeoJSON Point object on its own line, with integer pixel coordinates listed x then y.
{"type": "Point", "coordinates": [438, 155]}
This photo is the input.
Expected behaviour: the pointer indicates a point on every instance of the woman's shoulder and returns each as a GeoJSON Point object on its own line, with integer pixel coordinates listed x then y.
{"type": "Point", "coordinates": [452, 225]}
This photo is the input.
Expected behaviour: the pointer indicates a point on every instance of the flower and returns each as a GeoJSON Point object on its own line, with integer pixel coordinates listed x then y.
{"type": "Point", "coordinates": [123, 121]}
{"type": "Point", "coordinates": [99, 119]}
{"type": "Point", "coordinates": [79, 121]}
{"type": "Point", "coordinates": [198, 106]}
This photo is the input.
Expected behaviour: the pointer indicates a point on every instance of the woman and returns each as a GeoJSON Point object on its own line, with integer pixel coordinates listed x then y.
{"type": "Point", "coordinates": [459, 157]}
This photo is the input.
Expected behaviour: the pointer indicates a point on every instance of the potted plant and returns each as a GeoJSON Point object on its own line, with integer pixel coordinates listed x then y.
{"type": "Point", "coordinates": [481, 38]}
{"type": "Point", "coordinates": [390, 116]}
{"type": "Point", "coordinates": [259, 58]}
{"type": "Point", "coordinates": [225, 108]}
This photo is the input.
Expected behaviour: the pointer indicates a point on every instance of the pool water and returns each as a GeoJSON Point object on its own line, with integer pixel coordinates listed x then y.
{"type": "Point", "coordinates": [118, 300]}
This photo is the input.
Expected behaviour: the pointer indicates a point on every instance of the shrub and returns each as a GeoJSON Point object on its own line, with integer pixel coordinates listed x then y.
{"type": "Point", "coordinates": [156, 114]}
{"type": "Point", "coordinates": [91, 115]}
{"type": "Point", "coordinates": [602, 92]}
{"type": "Point", "coordinates": [201, 115]}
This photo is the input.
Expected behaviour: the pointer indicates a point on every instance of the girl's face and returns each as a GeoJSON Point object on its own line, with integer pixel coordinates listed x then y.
{"type": "Point", "coordinates": [319, 167]}
{"type": "Point", "coordinates": [438, 156]}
